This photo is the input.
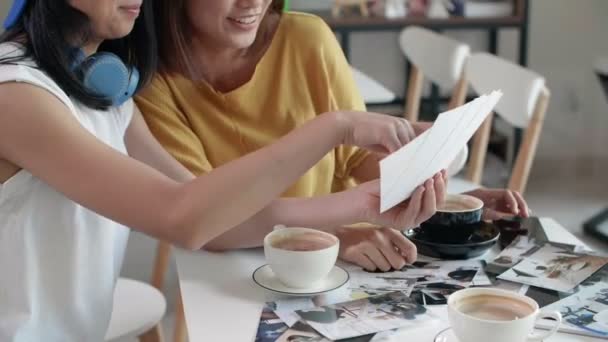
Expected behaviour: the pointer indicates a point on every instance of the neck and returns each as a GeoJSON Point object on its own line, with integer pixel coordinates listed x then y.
{"type": "Point", "coordinates": [226, 69]}
{"type": "Point", "coordinates": [91, 47]}
{"type": "Point", "coordinates": [215, 62]}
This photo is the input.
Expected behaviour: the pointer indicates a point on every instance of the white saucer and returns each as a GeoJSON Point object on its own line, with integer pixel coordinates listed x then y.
{"type": "Point", "coordinates": [446, 335]}
{"type": "Point", "coordinates": [265, 278]}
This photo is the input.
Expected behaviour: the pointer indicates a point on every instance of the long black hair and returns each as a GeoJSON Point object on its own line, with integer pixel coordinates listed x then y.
{"type": "Point", "coordinates": [44, 28]}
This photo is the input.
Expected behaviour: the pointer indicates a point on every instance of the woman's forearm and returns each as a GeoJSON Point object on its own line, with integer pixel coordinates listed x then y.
{"type": "Point", "coordinates": [323, 212]}
{"type": "Point", "coordinates": [238, 190]}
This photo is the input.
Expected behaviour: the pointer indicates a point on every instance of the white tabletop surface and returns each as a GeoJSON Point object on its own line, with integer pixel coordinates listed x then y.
{"type": "Point", "coordinates": [222, 303]}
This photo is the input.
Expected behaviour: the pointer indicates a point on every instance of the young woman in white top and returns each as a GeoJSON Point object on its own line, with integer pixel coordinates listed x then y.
{"type": "Point", "coordinates": [77, 162]}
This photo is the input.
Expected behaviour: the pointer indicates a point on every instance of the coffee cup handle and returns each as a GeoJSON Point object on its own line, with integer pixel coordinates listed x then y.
{"type": "Point", "coordinates": [279, 226]}
{"type": "Point", "coordinates": [535, 336]}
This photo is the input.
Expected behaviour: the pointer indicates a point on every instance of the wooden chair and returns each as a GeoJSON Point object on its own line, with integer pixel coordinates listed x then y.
{"type": "Point", "coordinates": [161, 265]}
{"type": "Point", "coordinates": [523, 105]}
{"type": "Point", "coordinates": [437, 58]}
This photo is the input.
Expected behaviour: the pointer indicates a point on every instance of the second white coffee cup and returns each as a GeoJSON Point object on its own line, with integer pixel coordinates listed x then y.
{"type": "Point", "coordinates": [301, 257]}
{"type": "Point", "coordinates": [484, 314]}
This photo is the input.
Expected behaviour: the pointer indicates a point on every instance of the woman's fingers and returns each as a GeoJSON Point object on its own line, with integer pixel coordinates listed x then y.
{"type": "Point", "coordinates": [407, 217]}
{"type": "Point", "coordinates": [511, 202]}
{"type": "Point", "coordinates": [440, 189]}
{"type": "Point", "coordinates": [428, 202]}
{"type": "Point", "coordinates": [363, 261]}
{"type": "Point", "coordinates": [406, 247]}
{"type": "Point", "coordinates": [377, 258]}
{"type": "Point", "coordinates": [524, 211]}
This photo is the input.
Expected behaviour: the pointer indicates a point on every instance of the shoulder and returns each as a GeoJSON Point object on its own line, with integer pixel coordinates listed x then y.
{"type": "Point", "coordinates": [306, 25]}
{"type": "Point", "coordinates": [160, 89]}
{"type": "Point", "coordinates": [308, 37]}
{"type": "Point", "coordinates": [307, 31]}
{"type": "Point", "coordinates": [16, 68]}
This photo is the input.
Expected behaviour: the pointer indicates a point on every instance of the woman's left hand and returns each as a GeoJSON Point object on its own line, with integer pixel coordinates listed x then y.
{"type": "Point", "coordinates": [500, 203]}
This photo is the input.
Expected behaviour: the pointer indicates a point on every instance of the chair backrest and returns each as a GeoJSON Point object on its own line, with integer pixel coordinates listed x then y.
{"type": "Point", "coordinates": [372, 91]}
{"type": "Point", "coordinates": [521, 86]}
{"type": "Point", "coordinates": [523, 105]}
{"type": "Point", "coordinates": [440, 59]}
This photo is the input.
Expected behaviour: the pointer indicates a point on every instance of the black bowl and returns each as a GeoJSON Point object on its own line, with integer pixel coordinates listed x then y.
{"type": "Point", "coordinates": [457, 242]}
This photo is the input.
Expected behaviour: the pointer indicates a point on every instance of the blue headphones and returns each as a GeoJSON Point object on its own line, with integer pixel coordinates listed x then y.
{"type": "Point", "coordinates": [102, 73]}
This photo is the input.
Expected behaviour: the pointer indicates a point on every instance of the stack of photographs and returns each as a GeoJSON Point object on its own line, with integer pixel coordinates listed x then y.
{"type": "Point", "coordinates": [427, 282]}
{"type": "Point", "coordinates": [369, 319]}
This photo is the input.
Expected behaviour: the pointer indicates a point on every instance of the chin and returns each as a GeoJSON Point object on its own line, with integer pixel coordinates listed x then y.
{"type": "Point", "coordinates": [243, 43]}
{"type": "Point", "coordinates": [121, 32]}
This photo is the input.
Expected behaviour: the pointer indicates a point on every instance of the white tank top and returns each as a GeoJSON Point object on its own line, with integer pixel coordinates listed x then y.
{"type": "Point", "coordinates": [58, 260]}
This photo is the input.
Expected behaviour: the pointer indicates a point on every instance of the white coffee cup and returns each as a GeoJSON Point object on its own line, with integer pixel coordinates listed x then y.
{"type": "Point", "coordinates": [297, 268]}
{"type": "Point", "coordinates": [485, 314]}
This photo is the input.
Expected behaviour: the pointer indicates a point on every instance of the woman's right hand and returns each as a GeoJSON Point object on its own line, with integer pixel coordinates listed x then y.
{"type": "Point", "coordinates": [418, 208]}
{"type": "Point", "coordinates": [376, 132]}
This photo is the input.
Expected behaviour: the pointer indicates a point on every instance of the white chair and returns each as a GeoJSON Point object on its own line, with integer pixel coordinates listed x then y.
{"type": "Point", "coordinates": [138, 311]}
{"type": "Point", "coordinates": [439, 59]}
{"type": "Point", "coordinates": [372, 91]}
{"type": "Point", "coordinates": [523, 105]}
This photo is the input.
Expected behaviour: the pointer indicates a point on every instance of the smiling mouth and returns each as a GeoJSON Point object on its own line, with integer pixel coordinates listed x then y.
{"type": "Point", "coordinates": [245, 20]}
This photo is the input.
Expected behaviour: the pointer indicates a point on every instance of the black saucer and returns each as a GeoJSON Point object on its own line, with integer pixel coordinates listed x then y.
{"type": "Point", "coordinates": [454, 242]}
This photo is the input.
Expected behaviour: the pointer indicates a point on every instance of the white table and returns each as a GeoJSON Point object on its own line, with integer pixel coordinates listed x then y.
{"type": "Point", "coordinates": [222, 303]}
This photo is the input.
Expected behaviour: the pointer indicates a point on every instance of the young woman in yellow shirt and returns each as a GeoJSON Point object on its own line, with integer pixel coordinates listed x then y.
{"type": "Point", "coordinates": [238, 75]}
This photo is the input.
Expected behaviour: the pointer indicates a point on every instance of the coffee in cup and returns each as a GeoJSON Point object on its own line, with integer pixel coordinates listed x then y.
{"type": "Point", "coordinates": [484, 314]}
{"type": "Point", "coordinates": [495, 308]}
{"type": "Point", "coordinates": [301, 257]}
{"type": "Point", "coordinates": [304, 242]}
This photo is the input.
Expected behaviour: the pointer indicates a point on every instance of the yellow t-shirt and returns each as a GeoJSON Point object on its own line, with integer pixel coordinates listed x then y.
{"type": "Point", "coordinates": [303, 73]}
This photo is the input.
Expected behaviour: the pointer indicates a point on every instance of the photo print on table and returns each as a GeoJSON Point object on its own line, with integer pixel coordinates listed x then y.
{"type": "Point", "coordinates": [555, 267]}
{"type": "Point", "coordinates": [585, 311]}
{"type": "Point", "coordinates": [366, 316]}
{"type": "Point", "coordinates": [422, 274]}
{"type": "Point", "coordinates": [523, 246]}
{"type": "Point", "coordinates": [271, 327]}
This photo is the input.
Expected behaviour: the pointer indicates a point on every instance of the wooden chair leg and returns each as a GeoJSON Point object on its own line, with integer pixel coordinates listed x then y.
{"type": "Point", "coordinates": [527, 151]}
{"type": "Point", "coordinates": [161, 264]}
{"type": "Point", "coordinates": [153, 335]}
{"type": "Point", "coordinates": [180, 333]}
{"type": "Point", "coordinates": [414, 91]}
{"type": "Point", "coordinates": [479, 150]}
{"type": "Point", "coordinates": [459, 95]}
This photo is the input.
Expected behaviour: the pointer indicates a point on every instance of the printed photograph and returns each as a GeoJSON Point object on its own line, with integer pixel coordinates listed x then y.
{"type": "Point", "coordinates": [523, 246]}
{"type": "Point", "coordinates": [555, 267]}
{"type": "Point", "coordinates": [271, 327]}
{"type": "Point", "coordinates": [439, 275]}
{"type": "Point", "coordinates": [365, 316]}
{"type": "Point", "coordinates": [586, 311]}
{"type": "Point", "coordinates": [301, 332]}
